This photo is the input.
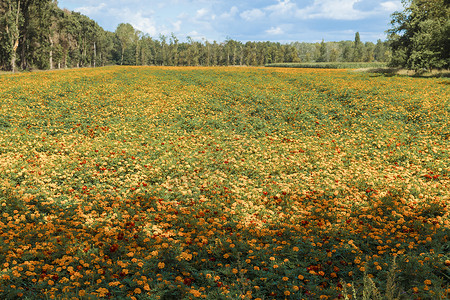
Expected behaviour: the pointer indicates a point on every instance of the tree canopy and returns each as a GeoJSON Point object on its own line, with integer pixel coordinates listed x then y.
{"type": "Point", "coordinates": [37, 34]}
{"type": "Point", "coordinates": [420, 35]}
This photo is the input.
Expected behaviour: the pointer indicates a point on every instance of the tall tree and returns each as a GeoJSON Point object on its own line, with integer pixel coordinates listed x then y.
{"type": "Point", "coordinates": [322, 52]}
{"type": "Point", "coordinates": [126, 35]}
{"type": "Point", "coordinates": [358, 48]}
{"type": "Point", "coordinates": [12, 24]}
{"type": "Point", "coordinates": [420, 35]}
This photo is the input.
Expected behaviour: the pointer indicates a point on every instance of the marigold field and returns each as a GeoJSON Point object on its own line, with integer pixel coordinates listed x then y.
{"type": "Point", "coordinates": [224, 183]}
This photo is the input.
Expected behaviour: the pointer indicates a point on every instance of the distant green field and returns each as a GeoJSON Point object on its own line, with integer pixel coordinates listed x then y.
{"type": "Point", "coordinates": [330, 65]}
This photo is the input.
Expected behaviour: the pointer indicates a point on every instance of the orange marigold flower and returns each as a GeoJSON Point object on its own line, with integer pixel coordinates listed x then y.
{"type": "Point", "coordinates": [195, 293]}
{"type": "Point", "coordinates": [161, 265]}
{"type": "Point", "coordinates": [427, 282]}
{"type": "Point", "coordinates": [285, 278]}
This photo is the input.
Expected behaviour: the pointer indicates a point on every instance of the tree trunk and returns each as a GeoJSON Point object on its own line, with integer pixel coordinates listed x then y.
{"type": "Point", "coordinates": [51, 53]}
{"type": "Point", "coordinates": [13, 61]}
{"type": "Point", "coordinates": [14, 35]}
{"type": "Point", "coordinates": [25, 27]}
{"type": "Point", "coordinates": [95, 54]}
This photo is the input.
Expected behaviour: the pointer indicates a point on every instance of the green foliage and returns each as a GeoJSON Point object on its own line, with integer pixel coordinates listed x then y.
{"type": "Point", "coordinates": [419, 36]}
{"type": "Point", "coordinates": [329, 65]}
{"type": "Point", "coordinates": [39, 35]}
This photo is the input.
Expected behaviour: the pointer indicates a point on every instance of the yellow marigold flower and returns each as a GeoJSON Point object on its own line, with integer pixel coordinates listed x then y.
{"type": "Point", "coordinates": [81, 293]}
{"type": "Point", "coordinates": [195, 293]}
{"type": "Point", "coordinates": [362, 269]}
{"type": "Point", "coordinates": [272, 258]}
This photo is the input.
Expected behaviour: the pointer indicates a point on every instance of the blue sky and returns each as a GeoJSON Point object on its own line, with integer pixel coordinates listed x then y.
{"type": "Point", "coordinates": [260, 20]}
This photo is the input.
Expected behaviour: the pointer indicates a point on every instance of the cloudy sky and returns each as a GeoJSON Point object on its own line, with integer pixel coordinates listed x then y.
{"type": "Point", "coordinates": [256, 20]}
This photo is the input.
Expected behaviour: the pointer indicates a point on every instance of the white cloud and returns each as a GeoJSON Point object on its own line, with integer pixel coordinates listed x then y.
{"type": "Point", "coordinates": [277, 20]}
{"type": "Point", "coordinates": [229, 14]}
{"type": "Point", "coordinates": [196, 35]}
{"type": "Point", "coordinates": [391, 6]}
{"type": "Point", "coordinates": [203, 12]}
{"type": "Point", "coordinates": [88, 10]}
{"type": "Point", "coordinates": [143, 23]}
{"type": "Point", "coordinates": [332, 9]}
{"type": "Point", "coordinates": [282, 8]}
{"type": "Point", "coordinates": [252, 15]}
{"type": "Point", "coordinates": [177, 25]}
{"type": "Point", "coordinates": [275, 31]}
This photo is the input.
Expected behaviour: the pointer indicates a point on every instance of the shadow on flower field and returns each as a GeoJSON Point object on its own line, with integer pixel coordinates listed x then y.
{"type": "Point", "coordinates": [223, 183]}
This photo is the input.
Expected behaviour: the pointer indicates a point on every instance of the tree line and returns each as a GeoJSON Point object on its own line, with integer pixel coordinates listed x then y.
{"type": "Point", "coordinates": [37, 34]}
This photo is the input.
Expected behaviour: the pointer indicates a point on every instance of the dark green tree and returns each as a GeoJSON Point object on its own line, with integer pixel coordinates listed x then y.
{"type": "Point", "coordinates": [358, 49]}
{"type": "Point", "coordinates": [126, 35]}
{"type": "Point", "coordinates": [323, 52]}
{"type": "Point", "coordinates": [420, 35]}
